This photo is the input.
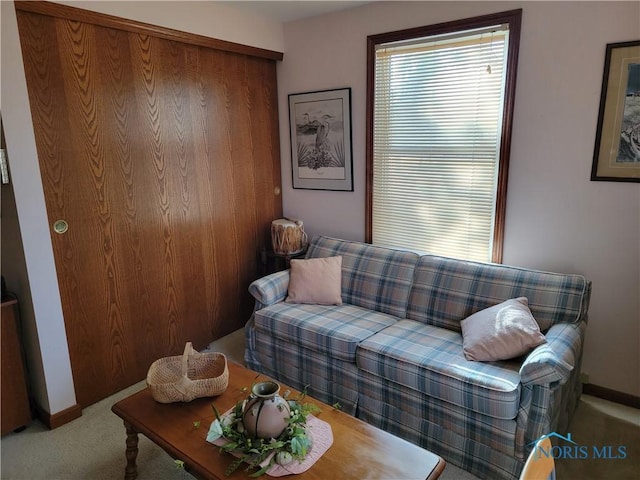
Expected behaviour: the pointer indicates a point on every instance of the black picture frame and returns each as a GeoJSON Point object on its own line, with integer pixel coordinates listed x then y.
{"type": "Point", "coordinates": [321, 149]}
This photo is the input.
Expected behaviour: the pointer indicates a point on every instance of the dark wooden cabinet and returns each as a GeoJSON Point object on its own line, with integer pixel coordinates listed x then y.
{"type": "Point", "coordinates": [271, 262]}
{"type": "Point", "coordinates": [15, 400]}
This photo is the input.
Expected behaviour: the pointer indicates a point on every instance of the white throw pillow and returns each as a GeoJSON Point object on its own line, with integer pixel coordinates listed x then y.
{"type": "Point", "coordinates": [316, 281]}
{"type": "Point", "coordinates": [501, 332]}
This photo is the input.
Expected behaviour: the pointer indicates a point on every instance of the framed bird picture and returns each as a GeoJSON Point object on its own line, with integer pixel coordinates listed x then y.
{"type": "Point", "coordinates": [321, 154]}
{"type": "Point", "coordinates": [616, 156]}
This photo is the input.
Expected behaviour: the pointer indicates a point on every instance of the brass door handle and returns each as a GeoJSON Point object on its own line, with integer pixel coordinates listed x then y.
{"type": "Point", "coordinates": [60, 226]}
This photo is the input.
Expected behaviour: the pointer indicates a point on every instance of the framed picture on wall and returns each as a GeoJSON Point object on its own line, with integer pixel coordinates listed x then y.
{"type": "Point", "coordinates": [616, 155]}
{"type": "Point", "coordinates": [321, 155]}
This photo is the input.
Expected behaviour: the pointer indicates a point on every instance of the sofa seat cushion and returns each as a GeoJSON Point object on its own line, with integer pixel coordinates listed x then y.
{"type": "Point", "coordinates": [332, 329]}
{"type": "Point", "coordinates": [430, 360]}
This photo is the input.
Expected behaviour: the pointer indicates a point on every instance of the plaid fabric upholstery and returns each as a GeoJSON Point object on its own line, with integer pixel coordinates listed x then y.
{"type": "Point", "coordinates": [551, 385]}
{"type": "Point", "coordinates": [379, 394]}
{"type": "Point", "coordinates": [335, 330]}
{"type": "Point", "coordinates": [327, 379]}
{"type": "Point", "coordinates": [270, 289]}
{"type": "Point", "coordinates": [446, 291]}
{"type": "Point", "coordinates": [552, 362]}
{"type": "Point", "coordinates": [569, 394]}
{"type": "Point", "coordinates": [430, 360]}
{"type": "Point", "coordinates": [375, 278]}
{"type": "Point", "coordinates": [392, 354]}
{"type": "Point", "coordinates": [471, 455]}
{"type": "Point", "coordinates": [250, 355]}
{"type": "Point", "coordinates": [536, 418]}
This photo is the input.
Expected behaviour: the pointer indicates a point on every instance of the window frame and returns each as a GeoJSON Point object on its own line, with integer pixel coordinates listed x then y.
{"type": "Point", "coordinates": [513, 18]}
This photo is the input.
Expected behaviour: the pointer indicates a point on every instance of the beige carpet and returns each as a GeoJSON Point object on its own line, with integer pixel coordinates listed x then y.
{"type": "Point", "coordinates": [92, 447]}
{"type": "Point", "coordinates": [601, 427]}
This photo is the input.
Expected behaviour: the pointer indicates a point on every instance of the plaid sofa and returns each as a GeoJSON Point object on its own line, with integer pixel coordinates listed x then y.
{"type": "Point", "coordinates": [392, 353]}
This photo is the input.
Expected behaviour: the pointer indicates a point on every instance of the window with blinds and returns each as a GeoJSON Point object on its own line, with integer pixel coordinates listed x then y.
{"type": "Point", "coordinates": [438, 138]}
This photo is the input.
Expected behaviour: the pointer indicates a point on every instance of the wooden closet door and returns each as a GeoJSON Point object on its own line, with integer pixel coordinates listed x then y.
{"type": "Point", "coordinates": [162, 157]}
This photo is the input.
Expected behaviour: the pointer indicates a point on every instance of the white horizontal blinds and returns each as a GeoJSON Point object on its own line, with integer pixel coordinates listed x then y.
{"type": "Point", "coordinates": [437, 125]}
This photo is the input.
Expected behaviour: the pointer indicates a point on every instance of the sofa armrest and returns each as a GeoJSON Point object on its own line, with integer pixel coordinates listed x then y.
{"type": "Point", "coordinates": [552, 362]}
{"type": "Point", "coordinates": [270, 289]}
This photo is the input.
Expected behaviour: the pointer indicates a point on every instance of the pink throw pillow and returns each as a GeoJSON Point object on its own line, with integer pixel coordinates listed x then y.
{"type": "Point", "coordinates": [316, 281]}
{"type": "Point", "coordinates": [501, 332]}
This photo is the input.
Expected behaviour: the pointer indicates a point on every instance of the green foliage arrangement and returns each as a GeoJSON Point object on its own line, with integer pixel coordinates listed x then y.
{"type": "Point", "coordinates": [292, 444]}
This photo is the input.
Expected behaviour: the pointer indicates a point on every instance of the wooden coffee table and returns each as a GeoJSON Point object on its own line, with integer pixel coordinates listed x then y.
{"type": "Point", "coordinates": [358, 451]}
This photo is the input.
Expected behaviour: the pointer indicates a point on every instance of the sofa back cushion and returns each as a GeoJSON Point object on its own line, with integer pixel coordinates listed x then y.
{"type": "Point", "coordinates": [446, 291]}
{"type": "Point", "coordinates": [373, 277]}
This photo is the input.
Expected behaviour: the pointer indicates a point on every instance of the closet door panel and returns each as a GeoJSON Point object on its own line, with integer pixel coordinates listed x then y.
{"type": "Point", "coordinates": [162, 157]}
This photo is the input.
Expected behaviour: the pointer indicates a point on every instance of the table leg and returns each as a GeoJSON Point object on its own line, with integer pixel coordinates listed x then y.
{"type": "Point", "coordinates": [131, 471]}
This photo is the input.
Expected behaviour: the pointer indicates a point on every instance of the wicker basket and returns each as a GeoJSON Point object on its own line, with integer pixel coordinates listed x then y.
{"type": "Point", "coordinates": [192, 375]}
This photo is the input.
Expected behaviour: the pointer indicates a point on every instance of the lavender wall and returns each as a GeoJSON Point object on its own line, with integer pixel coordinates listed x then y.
{"type": "Point", "coordinates": [557, 219]}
